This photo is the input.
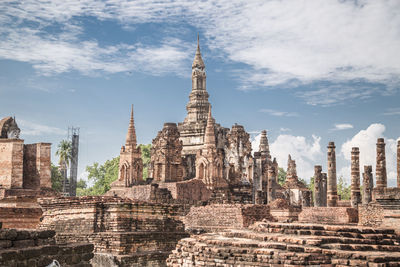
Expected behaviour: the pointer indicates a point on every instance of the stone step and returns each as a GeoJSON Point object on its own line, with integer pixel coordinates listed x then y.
{"type": "Point", "coordinates": [306, 239]}
{"type": "Point", "coordinates": [361, 247]}
{"type": "Point", "coordinates": [271, 226]}
{"type": "Point", "coordinates": [209, 252]}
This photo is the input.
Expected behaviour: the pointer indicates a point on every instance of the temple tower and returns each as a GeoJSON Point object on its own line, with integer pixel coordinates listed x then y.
{"type": "Point", "coordinates": [355, 177]}
{"type": "Point", "coordinates": [210, 160]}
{"type": "Point", "coordinates": [368, 185]}
{"type": "Point", "coordinates": [193, 128]}
{"type": "Point", "coordinates": [398, 163]}
{"type": "Point", "coordinates": [381, 178]}
{"type": "Point", "coordinates": [130, 162]}
{"type": "Point", "coordinates": [332, 196]}
{"type": "Point", "coordinates": [264, 146]}
{"type": "Point", "coordinates": [165, 160]}
{"type": "Point", "coordinates": [291, 174]}
{"type": "Point", "coordinates": [318, 186]}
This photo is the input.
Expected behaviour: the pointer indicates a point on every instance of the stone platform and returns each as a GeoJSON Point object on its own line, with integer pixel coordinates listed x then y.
{"type": "Point", "coordinates": [216, 217]}
{"type": "Point", "coordinates": [285, 244]}
{"type": "Point", "coordinates": [329, 215]}
{"type": "Point", "coordinates": [20, 212]}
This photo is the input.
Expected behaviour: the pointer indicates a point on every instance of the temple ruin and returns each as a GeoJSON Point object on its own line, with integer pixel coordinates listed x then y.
{"type": "Point", "coordinates": [209, 200]}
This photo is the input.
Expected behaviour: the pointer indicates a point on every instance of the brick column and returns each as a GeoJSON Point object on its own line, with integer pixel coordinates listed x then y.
{"type": "Point", "coordinates": [306, 199]}
{"type": "Point", "coordinates": [332, 183]}
{"type": "Point", "coordinates": [368, 185]}
{"type": "Point", "coordinates": [381, 178]}
{"type": "Point", "coordinates": [355, 177]}
{"type": "Point", "coordinates": [318, 186]}
{"type": "Point", "coordinates": [271, 184]}
{"type": "Point", "coordinates": [324, 186]}
{"type": "Point", "coordinates": [398, 163]}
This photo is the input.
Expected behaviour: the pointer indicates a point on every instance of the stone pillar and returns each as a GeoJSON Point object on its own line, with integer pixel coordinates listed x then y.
{"type": "Point", "coordinates": [306, 198]}
{"type": "Point", "coordinates": [317, 186]}
{"type": "Point", "coordinates": [368, 185]}
{"type": "Point", "coordinates": [271, 184]}
{"type": "Point", "coordinates": [276, 169]}
{"type": "Point", "coordinates": [258, 197]}
{"type": "Point", "coordinates": [332, 196]}
{"type": "Point", "coordinates": [381, 178]}
{"type": "Point", "coordinates": [355, 177]}
{"type": "Point", "coordinates": [324, 189]}
{"type": "Point", "coordinates": [398, 163]}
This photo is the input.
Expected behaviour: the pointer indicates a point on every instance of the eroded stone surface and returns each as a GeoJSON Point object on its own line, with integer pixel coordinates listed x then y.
{"type": "Point", "coordinates": [278, 244]}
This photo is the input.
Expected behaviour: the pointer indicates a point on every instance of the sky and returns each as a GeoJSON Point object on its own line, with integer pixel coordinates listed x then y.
{"type": "Point", "coordinates": [307, 71]}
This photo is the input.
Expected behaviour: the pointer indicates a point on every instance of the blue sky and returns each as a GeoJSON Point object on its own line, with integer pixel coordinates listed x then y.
{"type": "Point", "coordinates": [309, 72]}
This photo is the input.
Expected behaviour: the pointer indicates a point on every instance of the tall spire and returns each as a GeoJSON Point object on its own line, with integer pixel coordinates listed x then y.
{"type": "Point", "coordinates": [209, 137]}
{"type": "Point", "coordinates": [198, 99]}
{"type": "Point", "coordinates": [198, 61]}
{"type": "Point", "coordinates": [131, 135]}
{"type": "Point", "coordinates": [264, 146]}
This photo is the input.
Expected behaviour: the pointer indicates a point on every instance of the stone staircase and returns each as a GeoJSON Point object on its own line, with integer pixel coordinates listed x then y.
{"type": "Point", "coordinates": [287, 244]}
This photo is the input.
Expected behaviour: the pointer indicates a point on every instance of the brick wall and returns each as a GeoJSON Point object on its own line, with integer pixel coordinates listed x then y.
{"type": "Point", "coordinates": [331, 215]}
{"type": "Point", "coordinates": [37, 166]}
{"type": "Point", "coordinates": [115, 226]}
{"type": "Point", "coordinates": [11, 163]}
{"type": "Point", "coordinates": [38, 248]}
{"type": "Point", "coordinates": [192, 190]}
{"type": "Point", "coordinates": [220, 216]}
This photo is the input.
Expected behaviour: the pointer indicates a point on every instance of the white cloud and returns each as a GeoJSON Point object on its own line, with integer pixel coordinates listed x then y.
{"type": "Point", "coordinates": [342, 126]}
{"type": "Point", "coordinates": [284, 43]}
{"type": "Point", "coordinates": [279, 113]}
{"type": "Point", "coordinates": [30, 128]}
{"type": "Point", "coordinates": [366, 141]}
{"type": "Point", "coordinates": [305, 151]}
{"type": "Point", "coordinates": [57, 54]}
{"type": "Point", "coordinates": [285, 129]}
{"type": "Point", "coordinates": [340, 92]}
{"type": "Point", "coordinates": [392, 111]}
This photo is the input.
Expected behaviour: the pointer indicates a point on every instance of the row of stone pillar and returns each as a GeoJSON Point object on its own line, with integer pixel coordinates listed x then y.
{"type": "Point", "coordinates": [325, 185]}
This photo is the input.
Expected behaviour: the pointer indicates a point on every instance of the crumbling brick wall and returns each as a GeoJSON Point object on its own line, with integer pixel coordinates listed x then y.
{"type": "Point", "coordinates": [220, 216]}
{"type": "Point", "coordinates": [370, 215]}
{"type": "Point", "coordinates": [11, 163]}
{"type": "Point", "coordinates": [38, 248]}
{"type": "Point", "coordinates": [37, 167]}
{"type": "Point", "coordinates": [192, 190]}
{"type": "Point", "coordinates": [116, 226]}
{"type": "Point", "coordinates": [332, 215]}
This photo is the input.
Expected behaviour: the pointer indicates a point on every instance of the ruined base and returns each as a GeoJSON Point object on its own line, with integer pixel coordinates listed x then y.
{"type": "Point", "coordinates": [221, 216]}
{"type": "Point", "coordinates": [384, 211]}
{"type": "Point", "coordinates": [330, 215]}
{"type": "Point", "coordinates": [284, 244]}
{"type": "Point", "coordinates": [20, 212]}
{"type": "Point", "coordinates": [38, 248]}
{"type": "Point", "coordinates": [124, 232]}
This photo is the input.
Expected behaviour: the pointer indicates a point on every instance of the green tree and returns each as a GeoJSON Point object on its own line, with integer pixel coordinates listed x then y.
{"type": "Point", "coordinates": [146, 159]}
{"type": "Point", "coordinates": [281, 176]}
{"type": "Point", "coordinates": [63, 152]}
{"type": "Point", "coordinates": [56, 178]}
{"type": "Point", "coordinates": [101, 176]}
{"type": "Point", "coordinates": [81, 184]}
{"type": "Point", "coordinates": [81, 188]}
{"type": "Point", "coordinates": [343, 189]}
